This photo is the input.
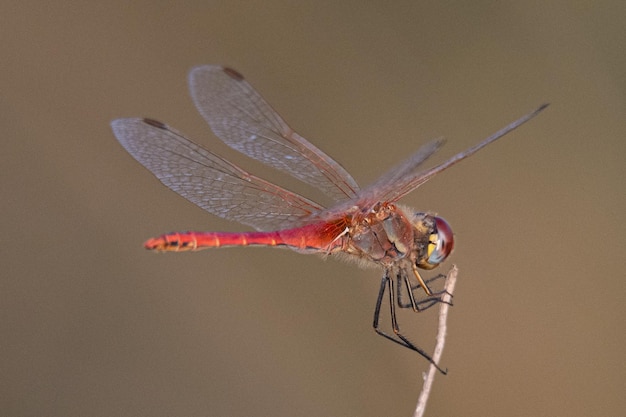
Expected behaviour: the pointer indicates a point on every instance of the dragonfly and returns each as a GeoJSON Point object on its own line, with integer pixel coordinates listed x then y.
{"type": "Point", "coordinates": [364, 224]}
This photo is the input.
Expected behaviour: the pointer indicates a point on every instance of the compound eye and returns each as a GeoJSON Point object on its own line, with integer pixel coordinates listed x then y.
{"type": "Point", "coordinates": [440, 244]}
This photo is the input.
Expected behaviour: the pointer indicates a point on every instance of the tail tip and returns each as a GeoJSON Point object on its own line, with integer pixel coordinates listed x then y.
{"type": "Point", "coordinates": [153, 244]}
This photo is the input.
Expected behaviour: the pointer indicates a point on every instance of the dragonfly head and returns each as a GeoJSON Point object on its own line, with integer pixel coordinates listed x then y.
{"type": "Point", "coordinates": [439, 245]}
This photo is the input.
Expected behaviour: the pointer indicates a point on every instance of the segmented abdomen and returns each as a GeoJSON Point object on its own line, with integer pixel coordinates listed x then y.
{"type": "Point", "coordinates": [323, 237]}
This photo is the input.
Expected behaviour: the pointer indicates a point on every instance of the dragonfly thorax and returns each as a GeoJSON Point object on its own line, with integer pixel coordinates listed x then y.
{"type": "Point", "coordinates": [389, 233]}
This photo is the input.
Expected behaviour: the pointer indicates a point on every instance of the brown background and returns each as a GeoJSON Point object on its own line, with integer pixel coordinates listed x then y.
{"type": "Point", "coordinates": [92, 324]}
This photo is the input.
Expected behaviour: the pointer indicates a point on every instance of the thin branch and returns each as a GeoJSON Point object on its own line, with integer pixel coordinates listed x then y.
{"type": "Point", "coordinates": [441, 341]}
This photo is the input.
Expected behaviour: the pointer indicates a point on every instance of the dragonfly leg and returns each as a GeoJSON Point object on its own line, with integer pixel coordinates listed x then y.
{"type": "Point", "coordinates": [388, 284]}
{"type": "Point", "coordinates": [418, 304]}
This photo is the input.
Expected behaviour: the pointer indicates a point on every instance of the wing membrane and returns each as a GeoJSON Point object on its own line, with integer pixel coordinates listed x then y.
{"type": "Point", "coordinates": [413, 179]}
{"type": "Point", "coordinates": [387, 185]}
{"type": "Point", "coordinates": [406, 177]}
{"type": "Point", "coordinates": [208, 180]}
{"type": "Point", "coordinates": [240, 117]}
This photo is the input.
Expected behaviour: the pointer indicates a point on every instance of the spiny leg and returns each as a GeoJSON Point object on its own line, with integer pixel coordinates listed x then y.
{"type": "Point", "coordinates": [418, 304]}
{"type": "Point", "coordinates": [397, 337]}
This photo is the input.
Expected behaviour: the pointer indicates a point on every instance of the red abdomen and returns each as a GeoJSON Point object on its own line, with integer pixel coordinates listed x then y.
{"type": "Point", "coordinates": [321, 236]}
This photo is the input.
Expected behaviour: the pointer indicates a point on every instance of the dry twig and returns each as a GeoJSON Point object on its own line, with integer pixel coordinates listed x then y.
{"type": "Point", "coordinates": [441, 340]}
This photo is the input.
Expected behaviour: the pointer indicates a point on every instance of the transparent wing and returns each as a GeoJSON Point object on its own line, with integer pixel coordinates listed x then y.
{"type": "Point", "coordinates": [209, 181]}
{"type": "Point", "coordinates": [240, 117]}
{"type": "Point", "coordinates": [410, 179]}
{"type": "Point", "coordinates": [405, 177]}
{"type": "Point", "coordinates": [391, 185]}
{"type": "Point", "coordinates": [385, 188]}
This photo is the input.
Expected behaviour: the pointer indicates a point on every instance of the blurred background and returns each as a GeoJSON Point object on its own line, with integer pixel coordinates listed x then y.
{"type": "Point", "coordinates": [92, 324]}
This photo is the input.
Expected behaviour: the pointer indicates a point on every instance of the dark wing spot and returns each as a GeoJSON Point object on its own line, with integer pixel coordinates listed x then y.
{"type": "Point", "coordinates": [233, 74]}
{"type": "Point", "coordinates": [155, 123]}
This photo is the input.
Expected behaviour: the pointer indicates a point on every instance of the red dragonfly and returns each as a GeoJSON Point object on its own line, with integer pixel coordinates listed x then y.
{"type": "Point", "coordinates": [364, 223]}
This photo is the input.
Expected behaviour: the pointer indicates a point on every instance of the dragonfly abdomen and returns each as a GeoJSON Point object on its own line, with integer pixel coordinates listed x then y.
{"type": "Point", "coordinates": [321, 236]}
{"type": "Point", "coordinates": [188, 241]}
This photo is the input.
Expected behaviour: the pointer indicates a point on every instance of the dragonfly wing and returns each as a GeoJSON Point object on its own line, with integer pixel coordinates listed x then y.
{"type": "Point", "coordinates": [407, 176]}
{"type": "Point", "coordinates": [208, 180]}
{"type": "Point", "coordinates": [240, 117]}
{"type": "Point", "coordinates": [386, 187]}
{"type": "Point", "coordinates": [390, 184]}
